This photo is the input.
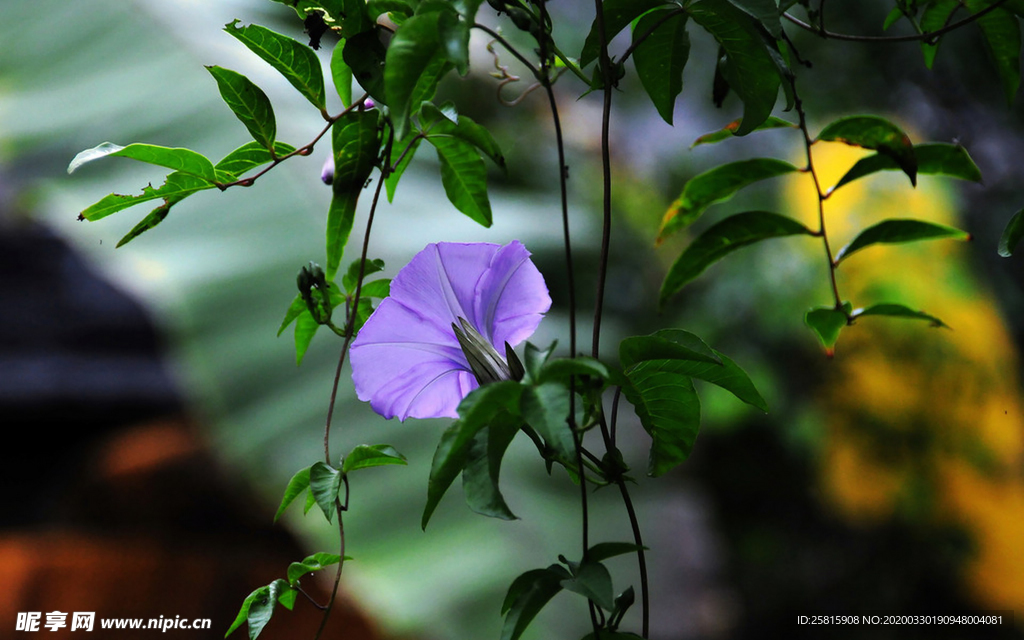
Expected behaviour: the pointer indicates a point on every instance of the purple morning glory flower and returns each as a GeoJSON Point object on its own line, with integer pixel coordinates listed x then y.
{"type": "Point", "coordinates": [407, 360]}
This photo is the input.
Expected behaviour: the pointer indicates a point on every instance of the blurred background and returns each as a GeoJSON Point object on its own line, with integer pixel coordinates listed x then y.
{"type": "Point", "coordinates": [154, 419]}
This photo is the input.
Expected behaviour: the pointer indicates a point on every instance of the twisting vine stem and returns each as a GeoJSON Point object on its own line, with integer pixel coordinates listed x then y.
{"type": "Point", "coordinates": [385, 167]}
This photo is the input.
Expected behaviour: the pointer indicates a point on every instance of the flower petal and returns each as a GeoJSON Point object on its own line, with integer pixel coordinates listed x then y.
{"type": "Point", "coordinates": [406, 367]}
{"type": "Point", "coordinates": [406, 360]}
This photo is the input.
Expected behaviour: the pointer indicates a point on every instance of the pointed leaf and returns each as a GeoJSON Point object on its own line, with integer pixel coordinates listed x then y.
{"type": "Point", "coordinates": [873, 132]}
{"type": "Point", "coordinates": [899, 231]}
{"type": "Point", "coordinates": [934, 158]}
{"type": "Point", "coordinates": [1003, 41]}
{"type": "Point", "coordinates": [475, 412]}
{"type": "Point", "coordinates": [295, 61]}
{"type": "Point", "coordinates": [365, 456]}
{"type": "Point", "coordinates": [305, 328]}
{"type": "Point", "coordinates": [298, 484]}
{"type": "Point", "coordinates": [751, 70]}
{"type": "Point", "coordinates": [656, 347]}
{"type": "Point", "coordinates": [243, 613]}
{"type": "Point", "coordinates": [660, 59]}
{"type": "Point", "coordinates": [297, 306]}
{"type": "Point", "coordinates": [729, 131]}
{"type": "Point", "coordinates": [668, 408]}
{"type": "Point", "coordinates": [249, 104]}
{"type": "Point", "coordinates": [593, 582]}
{"type": "Point", "coordinates": [416, 60]}
{"type": "Point", "coordinates": [604, 550]}
{"type": "Point", "coordinates": [1012, 235]}
{"type": "Point", "coordinates": [896, 311]}
{"type": "Point", "coordinates": [464, 129]}
{"type": "Point", "coordinates": [546, 409]}
{"type": "Point", "coordinates": [617, 16]}
{"type": "Point", "coordinates": [765, 12]}
{"type": "Point", "coordinates": [723, 238]}
{"type": "Point", "coordinates": [356, 143]}
{"type": "Point", "coordinates": [325, 483]}
{"type": "Point", "coordinates": [155, 217]}
{"type": "Point", "coordinates": [827, 322]}
{"type": "Point", "coordinates": [464, 177]}
{"type": "Point", "coordinates": [936, 15]}
{"type": "Point", "coordinates": [249, 156]}
{"type": "Point", "coordinates": [483, 466]}
{"type": "Point", "coordinates": [412, 143]}
{"type": "Point", "coordinates": [183, 160]}
{"type": "Point", "coordinates": [366, 56]}
{"type": "Point", "coordinates": [313, 563]}
{"type": "Point", "coordinates": [562, 369]}
{"type": "Point", "coordinates": [527, 596]}
{"type": "Point", "coordinates": [351, 276]}
{"type": "Point", "coordinates": [341, 74]}
{"type": "Point", "coordinates": [717, 185]}
{"type": "Point", "coordinates": [261, 608]}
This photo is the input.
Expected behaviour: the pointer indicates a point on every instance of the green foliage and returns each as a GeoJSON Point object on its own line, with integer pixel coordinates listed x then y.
{"type": "Point", "coordinates": [899, 231]}
{"type": "Point", "coordinates": [661, 57]}
{"type": "Point", "coordinates": [249, 104]}
{"type": "Point", "coordinates": [325, 484]}
{"type": "Point", "coordinates": [720, 240]}
{"type": "Point", "coordinates": [365, 456]}
{"type": "Point", "coordinates": [313, 563]}
{"type": "Point", "coordinates": [933, 158]}
{"type": "Point", "coordinates": [356, 143]}
{"type": "Point", "coordinates": [873, 132]}
{"type": "Point", "coordinates": [617, 15]}
{"type": "Point", "coordinates": [717, 185]}
{"type": "Point", "coordinates": [1012, 234]}
{"type": "Point", "coordinates": [752, 68]}
{"type": "Point", "coordinates": [295, 61]}
{"type": "Point", "coordinates": [729, 131]}
{"type": "Point", "coordinates": [184, 161]}
{"type": "Point", "coordinates": [896, 311]}
{"type": "Point", "coordinates": [827, 323]}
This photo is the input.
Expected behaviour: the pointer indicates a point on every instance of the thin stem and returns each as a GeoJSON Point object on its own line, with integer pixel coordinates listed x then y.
{"type": "Point", "coordinates": [606, 176]}
{"type": "Point", "coordinates": [926, 36]}
{"type": "Point", "coordinates": [641, 556]}
{"type": "Point", "coordinates": [310, 598]}
{"type": "Point", "coordinates": [822, 196]}
{"type": "Point", "coordinates": [304, 150]}
{"type": "Point", "coordinates": [349, 330]}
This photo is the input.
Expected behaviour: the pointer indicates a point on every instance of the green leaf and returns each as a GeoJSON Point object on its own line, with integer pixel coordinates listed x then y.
{"type": "Point", "coordinates": [613, 635]}
{"type": "Point", "coordinates": [729, 131]}
{"type": "Point", "coordinates": [464, 129]}
{"type": "Point", "coordinates": [315, 562]}
{"type": "Point", "coordinates": [262, 607]}
{"type": "Point", "coordinates": [176, 186]}
{"type": "Point", "coordinates": [661, 346]}
{"type": "Point", "coordinates": [546, 409]}
{"type": "Point", "coordinates": [896, 311]}
{"type": "Point", "coordinates": [827, 322]}
{"type": "Point", "coordinates": [617, 16]}
{"type": "Point", "coordinates": [376, 289]}
{"type": "Point", "coordinates": [243, 613]}
{"type": "Point", "coordinates": [249, 104]}
{"type": "Point", "coordinates": [249, 156]}
{"type": "Point", "coordinates": [341, 74]}
{"type": "Point", "coordinates": [483, 466]}
{"type": "Point", "coordinates": [366, 56]}
{"type": "Point", "coordinates": [604, 550]}
{"type": "Point", "coordinates": [294, 60]}
{"type": "Point", "coordinates": [298, 484]}
{"type": "Point", "coordinates": [182, 160]}
{"type": "Point", "coordinates": [1003, 41]}
{"type": "Point", "coordinates": [1012, 234]}
{"type": "Point", "coordinates": [454, 34]}
{"type": "Point", "coordinates": [899, 231]}
{"type": "Point", "coordinates": [592, 581]}
{"type": "Point", "coordinates": [325, 483]}
{"type": "Point", "coordinates": [351, 277]}
{"type": "Point", "coordinates": [356, 143]}
{"type": "Point", "coordinates": [412, 142]}
{"type": "Point", "coordinates": [365, 456]}
{"type": "Point", "coordinates": [934, 158]}
{"type": "Point", "coordinates": [660, 59]}
{"type": "Point", "coordinates": [416, 60]}
{"type": "Point", "coordinates": [936, 16]}
{"type": "Point", "coordinates": [155, 217]}
{"type": "Point", "coordinates": [527, 595]}
{"type": "Point", "coordinates": [464, 177]}
{"type": "Point", "coordinates": [668, 408]}
{"type": "Point", "coordinates": [723, 238]}
{"type": "Point", "coordinates": [305, 328]}
{"type": "Point", "coordinates": [765, 12]}
{"type": "Point", "coordinates": [562, 369]}
{"type": "Point", "coordinates": [297, 306]}
{"type": "Point", "coordinates": [475, 412]}
{"type": "Point", "coordinates": [751, 70]}
{"type": "Point", "coordinates": [873, 132]}
{"type": "Point", "coordinates": [717, 185]}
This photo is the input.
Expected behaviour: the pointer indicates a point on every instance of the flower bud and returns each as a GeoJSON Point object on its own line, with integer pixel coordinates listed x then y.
{"type": "Point", "coordinates": [327, 172]}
